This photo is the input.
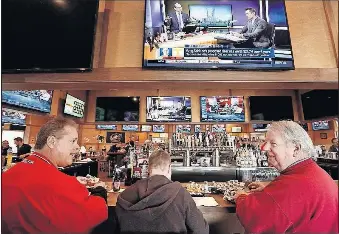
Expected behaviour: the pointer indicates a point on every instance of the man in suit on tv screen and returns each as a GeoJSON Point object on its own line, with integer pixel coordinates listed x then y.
{"type": "Point", "coordinates": [254, 31]}
{"type": "Point", "coordinates": [178, 19]}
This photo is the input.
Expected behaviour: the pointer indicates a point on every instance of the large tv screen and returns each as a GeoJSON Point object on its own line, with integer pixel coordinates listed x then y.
{"type": "Point", "coordinates": [117, 109]}
{"type": "Point", "coordinates": [222, 109]}
{"type": "Point", "coordinates": [233, 34]}
{"type": "Point", "coordinates": [50, 35]}
{"type": "Point", "coordinates": [320, 104]}
{"type": "Point", "coordinates": [74, 106]}
{"type": "Point", "coordinates": [168, 109]}
{"type": "Point", "coordinates": [271, 108]}
{"type": "Point", "coordinates": [13, 117]}
{"type": "Point", "coordinates": [39, 100]}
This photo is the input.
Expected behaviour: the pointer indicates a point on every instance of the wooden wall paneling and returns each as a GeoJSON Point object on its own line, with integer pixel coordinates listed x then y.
{"type": "Point", "coordinates": [296, 105]}
{"type": "Point", "coordinates": [310, 36]}
{"type": "Point", "coordinates": [331, 13]}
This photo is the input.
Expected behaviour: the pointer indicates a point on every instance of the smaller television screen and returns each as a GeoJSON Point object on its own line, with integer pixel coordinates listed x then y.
{"type": "Point", "coordinates": [197, 128]}
{"type": "Point", "coordinates": [106, 127]}
{"type": "Point", "coordinates": [146, 128]}
{"type": "Point", "coordinates": [130, 127]}
{"type": "Point", "coordinates": [74, 106]}
{"type": "Point", "coordinates": [222, 109]}
{"type": "Point", "coordinates": [320, 125]}
{"type": "Point", "coordinates": [236, 129]}
{"type": "Point", "coordinates": [158, 128]}
{"type": "Point", "coordinates": [304, 126]}
{"type": "Point", "coordinates": [115, 137]}
{"type": "Point", "coordinates": [218, 128]}
{"type": "Point", "coordinates": [39, 100]}
{"type": "Point", "coordinates": [13, 117]}
{"type": "Point", "coordinates": [168, 109]}
{"type": "Point", "coordinates": [183, 128]}
{"type": "Point", "coordinates": [260, 127]}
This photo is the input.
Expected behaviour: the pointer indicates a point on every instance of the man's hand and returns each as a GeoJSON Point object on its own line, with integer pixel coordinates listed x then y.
{"type": "Point", "coordinates": [256, 187]}
{"type": "Point", "coordinates": [238, 193]}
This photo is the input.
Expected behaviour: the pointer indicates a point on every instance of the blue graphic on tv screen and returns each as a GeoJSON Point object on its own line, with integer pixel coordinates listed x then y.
{"type": "Point", "coordinates": [39, 100]}
{"type": "Point", "coordinates": [13, 117]}
{"type": "Point", "coordinates": [130, 127]}
{"type": "Point", "coordinates": [222, 109]}
{"type": "Point", "coordinates": [158, 128]}
{"type": "Point", "coordinates": [320, 125]}
{"type": "Point", "coordinates": [276, 13]}
{"type": "Point", "coordinates": [211, 15]}
{"type": "Point", "coordinates": [106, 127]}
{"type": "Point", "coordinates": [165, 52]}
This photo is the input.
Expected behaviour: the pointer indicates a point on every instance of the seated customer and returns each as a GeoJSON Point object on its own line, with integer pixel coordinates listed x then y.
{"type": "Point", "coordinates": [24, 150]}
{"type": "Point", "coordinates": [303, 199]}
{"type": "Point", "coordinates": [38, 198]}
{"type": "Point", "coordinates": [334, 147]}
{"type": "Point", "coordinates": [158, 205]}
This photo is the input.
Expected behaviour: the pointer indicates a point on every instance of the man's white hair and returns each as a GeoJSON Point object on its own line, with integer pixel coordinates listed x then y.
{"type": "Point", "coordinates": [292, 132]}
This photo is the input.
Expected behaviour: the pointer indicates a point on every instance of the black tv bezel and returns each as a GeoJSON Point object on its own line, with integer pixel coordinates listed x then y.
{"type": "Point", "coordinates": [71, 114]}
{"type": "Point", "coordinates": [169, 121]}
{"type": "Point", "coordinates": [272, 69]}
{"type": "Point", "coordinates": [62, 70]}
{"type": "Point", "coordinates": [28, 108]}
{"type": "Point", "coordinates": [221, 121]}
{"type": "Point", "coordinates": [118, 121]}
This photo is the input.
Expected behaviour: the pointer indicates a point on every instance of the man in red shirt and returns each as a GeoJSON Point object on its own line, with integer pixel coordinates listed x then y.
{"type": "Point", "coordinates": [303, 199]}
{"type": "Point", "coordinates": [38, 198]}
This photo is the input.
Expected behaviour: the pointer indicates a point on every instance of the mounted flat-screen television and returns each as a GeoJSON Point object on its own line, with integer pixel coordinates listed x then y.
{"type": "Point", "coordinates": [40, 100]}
{"type": "Point", "coordinates": [320, 104]}
{"type": "Point", "coordinates": [222, 109]}
{"type": "Point", "coordinates": [146, 128]}
{"type": "Point", "coordinates": [48, 36]}
{"type": "Point", "coordinates": [158, 128]}
{"type": "Point", "coordinates": [320, 125]}
{"type": "Point", "coordinates": [106, 127]}
{"type": "Point", "coordinates": [218, 128]}
{"type": "Point", "coordinates": [260, 127]}
{"type": "Point", "coordinates": [129, 127]}
{"type": "Point", "coordinates": [214, 34]}
{"type": "Point", "coordinates": [117, 109]}
{"type": "Point", "coordinates": [183, 128]}
{"type": "Point", "coordinates": [271, 108]}
{"type": "Point", "coordinates": [168, 109]}
{"type": "Point", "coordinates": [74, 106]}
{"type": "Point", "coordinates": [13, 117]}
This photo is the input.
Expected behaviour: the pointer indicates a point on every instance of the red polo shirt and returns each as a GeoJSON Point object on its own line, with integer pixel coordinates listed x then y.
{"type": "Point", "coordinates": [38, 198]}
{"type": "Point", "coordinates": [303, 199]}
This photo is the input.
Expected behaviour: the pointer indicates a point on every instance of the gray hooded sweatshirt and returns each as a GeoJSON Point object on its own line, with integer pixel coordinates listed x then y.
{"type": "Point", "coordinates": [158, 205]}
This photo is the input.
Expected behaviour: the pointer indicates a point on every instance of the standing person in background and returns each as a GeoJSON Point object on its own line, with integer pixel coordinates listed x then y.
{"type": "Point", "coordinates": [334, 146]}
{"type": "Point", "coordinates": [24, 150]}
{"type": "Point", "coordinates": [158, 205]}
{"type": "Point", "coordinates": [303, 199]}
{"type": "Point", "coordinates": [41, 199]}
{"type": "Point", "coordinates": [178, 19]}
{"type": "Point", "coordinates": [4, 147]}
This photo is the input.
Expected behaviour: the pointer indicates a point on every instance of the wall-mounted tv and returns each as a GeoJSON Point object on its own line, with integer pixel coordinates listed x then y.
{"type": "Point", "coordinates": [222, 109]}
{"type": "Point", "coordinates": [320, 104]}
{"type": "Point", "coordinates": [218, 128]}
{"type": "Point", "coordinates": [146, 128]}
{"type": "Point", "coordinates": [320, 125]}
{"type": "Point", "coordinates": [158, 128]}
{"type": "Point", "coordinates": [74, 106]}
{"type": "Point", "coordinates": [53, 35]}
{"type": "Point", "coordinates": [217, 35]}
{"type": "Point", "coordinates": [168, 109]}
{"type": "Point", "coordinates": [106, 127]}
{"type": "Point", "coordinates": [260, 127]}
{"type": "Point", "coordinates": [271, 108]}
{"type": "Point", "coordinates": [13, 117]}
{"type": "Point", "coordinates": [130, 127]}
{"type": "Point", "coordinates": [117, 109]}
{"type": "Point", "coordinates": [40, 100]}
{"type": "Point", "coordinates": [183, 128]}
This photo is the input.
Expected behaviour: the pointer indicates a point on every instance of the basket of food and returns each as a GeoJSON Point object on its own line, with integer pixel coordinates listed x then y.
{"type": "Point", "coordinates": [231, 187]}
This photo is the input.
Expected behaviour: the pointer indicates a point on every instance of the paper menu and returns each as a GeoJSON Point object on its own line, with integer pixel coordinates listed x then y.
{"type": "Point", "coordinates": [205, 201]}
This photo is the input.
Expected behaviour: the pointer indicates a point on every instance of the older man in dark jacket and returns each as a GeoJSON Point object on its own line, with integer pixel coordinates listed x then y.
{"type": "Point", "coordinates": [158, 205]}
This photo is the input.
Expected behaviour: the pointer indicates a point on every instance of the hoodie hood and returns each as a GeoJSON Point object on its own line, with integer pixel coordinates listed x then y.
{"type": "Point", "coordinates": [149, 198]}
